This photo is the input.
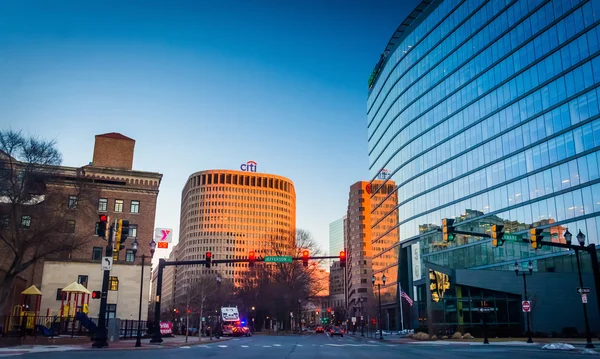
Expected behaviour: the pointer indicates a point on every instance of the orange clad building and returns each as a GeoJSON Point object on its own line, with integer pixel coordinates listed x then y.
{"type": "Point", "coordinates": [229, 213]}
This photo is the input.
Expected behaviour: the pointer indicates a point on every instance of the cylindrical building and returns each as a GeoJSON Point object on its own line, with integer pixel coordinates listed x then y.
{"type": "Point", "coordinates": [230, 213]}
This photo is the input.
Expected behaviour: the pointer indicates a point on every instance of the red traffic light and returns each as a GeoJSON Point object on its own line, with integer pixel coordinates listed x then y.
{"type": "Point", "coordinates": [208, 255]}
{"type": "Point", "coordinates": [328, 310]}
{"type": "Point", "coordinates": [305, 254]}
{"type": "Point", "coordinates": [342, 254]}
{"type": "Point", "coordinates": [251, 255]}
{"type": "Point", "coordinates": [96, 294]}
{"type": "Point", "coordinates": [103, 218]}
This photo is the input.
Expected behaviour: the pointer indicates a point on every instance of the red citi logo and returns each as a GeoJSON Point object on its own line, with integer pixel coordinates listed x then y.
{"type": "Point", "coordinates": [249, 166]}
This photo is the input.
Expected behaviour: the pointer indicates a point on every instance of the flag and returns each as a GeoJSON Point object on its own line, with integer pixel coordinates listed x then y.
{"type": "Point", "coordinates": [405, 296]}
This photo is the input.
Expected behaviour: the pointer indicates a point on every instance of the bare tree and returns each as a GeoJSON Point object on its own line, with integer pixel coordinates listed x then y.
{"type": "Point", "coordinates": [277, 288]}
{"type": "Point", "coordinates": [37, 217]}
{"type": "Point", "coordinates": [197, 293]}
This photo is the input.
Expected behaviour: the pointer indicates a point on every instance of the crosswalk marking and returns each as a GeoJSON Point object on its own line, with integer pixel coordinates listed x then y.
{"type": "Point", "coordinates": [244, 346]}
{"type": "Point", "coordinates": [276, 345]}
{"type": "Point", "coordinates": [222, 346]}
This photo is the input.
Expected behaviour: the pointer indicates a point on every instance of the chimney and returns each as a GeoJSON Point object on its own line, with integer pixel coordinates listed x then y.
{"type": "Point", "coordinates": [113, 150]}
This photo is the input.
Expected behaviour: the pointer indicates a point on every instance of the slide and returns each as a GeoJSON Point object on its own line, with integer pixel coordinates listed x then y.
{"type": "Point", "coordinates": [86, 321]}
{"type": "Point", "coordinates": [45, 331]}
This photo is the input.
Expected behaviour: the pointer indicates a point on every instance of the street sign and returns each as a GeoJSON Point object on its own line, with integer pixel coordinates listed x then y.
{"type": "Point", "coordinates": [485, 310]}
{"type": "Point", "coordinates": [526, 305]}
{"type": "Point", "coordinates": [353, 320]}
{"type": "Point", "coordinates": [584, 298]}
{"type": "Point", "coordinates": [107, 263]}
{"type": "Point", "coordinates": [163, 235]}
{"type": "Point", "coordinates": [163, 245]}
{"type": "Point", "coordinates": [278, 259]}
{"type": "Point", "coordinates": [583, 290]}
{"type": "Point", "coordinates": [510, 237]}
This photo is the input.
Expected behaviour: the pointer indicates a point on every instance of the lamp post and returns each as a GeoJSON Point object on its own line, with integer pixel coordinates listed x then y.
{"type": "Point", "coordinates": [362, 318]}
{"type": "Point", "coordinates": [373, 279]}
{"type": "Point", "coordinates": [525, 274]}
{"type": "Point", "coordinates": [134, 246]}
{"type": "Point", "coordinates": [218, 328]}
{"type": "Point", "coordinates": [581, 240]}
{"type": "Point", "coordinates": [299, 320]}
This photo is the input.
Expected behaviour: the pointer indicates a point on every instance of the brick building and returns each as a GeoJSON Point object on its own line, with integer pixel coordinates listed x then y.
{"type": "Point", "coordinates": [366, 237]}
{"type": "Point", "coordinates": [107, 185]}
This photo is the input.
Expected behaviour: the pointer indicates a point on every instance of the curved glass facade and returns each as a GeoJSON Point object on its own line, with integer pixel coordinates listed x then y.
{"type": "Point", "coordinates": [488, 112]}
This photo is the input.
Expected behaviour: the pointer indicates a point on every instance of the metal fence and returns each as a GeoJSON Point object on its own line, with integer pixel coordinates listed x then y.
{"type": "Point", "coordinates": [51, 326]}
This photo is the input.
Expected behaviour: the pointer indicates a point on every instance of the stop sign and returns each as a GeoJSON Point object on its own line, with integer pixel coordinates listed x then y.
{"type": "Point", "coordinates": [526, 305]}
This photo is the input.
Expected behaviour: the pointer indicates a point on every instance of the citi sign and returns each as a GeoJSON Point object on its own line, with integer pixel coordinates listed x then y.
{"type": "Point", "coordinates": [249, 166]}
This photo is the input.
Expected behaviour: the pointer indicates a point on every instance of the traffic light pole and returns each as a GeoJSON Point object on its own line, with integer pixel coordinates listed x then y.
{"type": "Point", "coordinates": [101, 339]}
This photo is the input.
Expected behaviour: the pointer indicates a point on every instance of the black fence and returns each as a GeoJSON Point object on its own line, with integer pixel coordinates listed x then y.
{"type": "Point", "coordinates": [56, 326]}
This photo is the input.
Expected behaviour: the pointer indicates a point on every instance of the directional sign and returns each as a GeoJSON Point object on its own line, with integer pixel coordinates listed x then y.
{"type": "Point", "coordinates": [526, 305]}
{"type": "Point", "coordinates": [163, 235]}
{"type": "Point", "coordinates": [510, 237]}
{"type": "Point", "coordinates": [278, 259]}
{"type": "Point", "coordinates": [107, 263]}
{"type": "Point", "coordinates": [583, 290]}
{"type": "Point", "coordinates": [485, 310]}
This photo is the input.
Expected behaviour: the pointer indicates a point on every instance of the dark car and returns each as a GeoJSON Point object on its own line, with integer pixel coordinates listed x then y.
{"type": "Point", "coordinates": [319, 329]}
{"type": "Point", "coordinates": [337, 331]}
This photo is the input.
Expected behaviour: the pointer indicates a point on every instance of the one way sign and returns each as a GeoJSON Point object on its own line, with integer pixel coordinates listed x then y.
{"type": "Point", "coordinates": [107, 263]}
{"type": "Point", "coordinates": [583, 290]}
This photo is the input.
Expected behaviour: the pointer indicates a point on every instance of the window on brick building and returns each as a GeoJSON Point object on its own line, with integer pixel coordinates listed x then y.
{"type": "Point", "coordinates": [133, 228]}
{"type": "Point", "coordinates": [4, 220]}
{"type": "Point", "coordinates": [70, 226]}
{"type": "Point", "coordinates": [26, 222]}
{"type": "Point", "coordinates": [113, 283]}
{"type": "Point", "coordinates": [72, 202]}
{"type": "Point", "coordinates": [129, 256]}
{"type": "Point", "coordinates": [97, 253]}
{"type": "Point", "coordinates": [135, 207]}
{"type": "Point", "coordinates": [83, 280]}
{"type": "Point", "coordinates": [118, 205]}
{"type": "Point", "coordinates": [102, 204]}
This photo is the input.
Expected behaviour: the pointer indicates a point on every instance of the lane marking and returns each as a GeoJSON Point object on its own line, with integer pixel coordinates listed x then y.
{"type": "Point", "coordinates": [184, 347]}
{"type": "Point", "coordinates": [266, 346]}
{"type": "Point", "coordinates": [276, 345]}
{"type": "Point", "coordinates": [222, 346]}
{"type": "Point", "coordinates": [298, 345]}
{"type": "Point", "coordinates": [244, 346]}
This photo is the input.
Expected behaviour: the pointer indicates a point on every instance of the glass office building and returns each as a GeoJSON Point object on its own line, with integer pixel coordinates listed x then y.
{"type": "Point", "coordinates": [488, 112]}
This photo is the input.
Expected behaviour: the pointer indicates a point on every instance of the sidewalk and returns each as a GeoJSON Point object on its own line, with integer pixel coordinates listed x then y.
{"type": "Point", "coordinates": [129, 344]}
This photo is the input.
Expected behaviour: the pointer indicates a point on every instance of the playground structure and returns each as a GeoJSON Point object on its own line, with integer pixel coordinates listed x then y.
{"type": "Point", "coordinates": [25, 318]}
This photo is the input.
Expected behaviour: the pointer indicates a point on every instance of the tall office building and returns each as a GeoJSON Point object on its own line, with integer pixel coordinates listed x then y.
{"type": "Point", "coordinates": [336, 236]}
{"type": "Point", "coordinates": [229, 213]}
{"type": "Point", "coordinates": [368, 235]}
{"type": "Point", "coordinates": [487, 112]}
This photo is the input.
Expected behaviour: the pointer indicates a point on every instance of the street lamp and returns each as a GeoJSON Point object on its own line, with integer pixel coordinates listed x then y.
{"type": "Point", "coordinates": [362, 318]}
{"type": "Point", "coordinates": [299, 309]}
{"type": "Point", "coordinates": [581, 239]}
{"type": "Point", "coordinates": [373, 279]}
{"type": "Point", "coordinates": [525, 274]}
{"type": "Point", "coordinates": [218, 329]}
{"type": "Point", "coordinates": [134, 247]}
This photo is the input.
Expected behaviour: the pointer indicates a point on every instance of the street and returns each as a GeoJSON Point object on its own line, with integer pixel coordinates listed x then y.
{"type": "Point", "coordinates": [314, 346]}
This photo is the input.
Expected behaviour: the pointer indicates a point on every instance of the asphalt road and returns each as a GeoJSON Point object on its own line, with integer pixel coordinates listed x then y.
{"type": "Point", "coordinates": [315, 346]}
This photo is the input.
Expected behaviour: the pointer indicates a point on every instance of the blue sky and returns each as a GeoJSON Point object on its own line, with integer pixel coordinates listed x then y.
{"type": "Point", "coordinates": [203, 85]}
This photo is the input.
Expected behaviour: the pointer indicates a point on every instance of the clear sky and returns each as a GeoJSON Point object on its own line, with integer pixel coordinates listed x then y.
{"type": "Point", "coordinates": [203, 85]}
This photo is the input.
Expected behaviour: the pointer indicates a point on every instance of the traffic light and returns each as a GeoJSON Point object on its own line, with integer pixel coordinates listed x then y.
{"type": "Point", "coordinates": [96, 294]}
{"type": "Point", "coordinates": [536, 237]}
{"type": "Point", "coordinates": [328, 310]}
{"type": "Point", "coordinates": [251, 259]}
{"type": "Point", "coordinates": [497, 234]}
{"type": "Point", "coordinates": [305, 258]}
{"type": "Point", "coordinates": [448, 229]}
{"type": "Point", "coordinates": [102, 225]}
{"type": "Point", "coordinates": [208, 259]}
{"type": "Point", "coordinates": [124, 230]}
{"type": "Point", "coordinates": [342, 259]}
{"type": "Point", "coordinates": [117, 244]}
